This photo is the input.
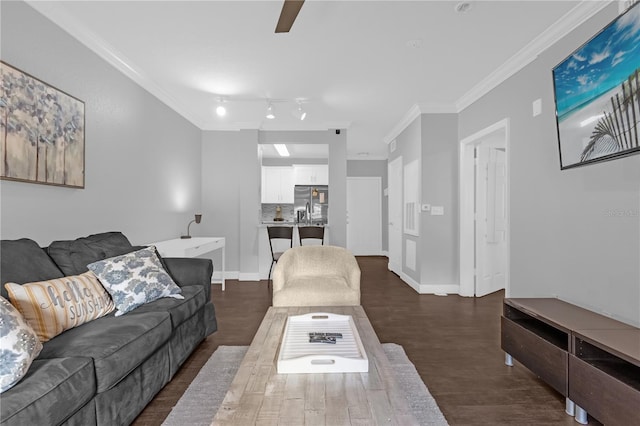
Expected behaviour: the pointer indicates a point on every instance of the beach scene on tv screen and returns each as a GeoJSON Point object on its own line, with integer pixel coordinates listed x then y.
{"type": "Point", "coordinates": [597, 92]}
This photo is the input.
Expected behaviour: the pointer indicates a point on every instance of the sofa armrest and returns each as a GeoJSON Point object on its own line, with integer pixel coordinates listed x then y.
{"type": "Point", "coordinates": [190, 271]}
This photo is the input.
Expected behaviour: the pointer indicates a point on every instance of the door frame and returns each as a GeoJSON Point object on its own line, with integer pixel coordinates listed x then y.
{"type": "Point", "coordinates": [466, 169]}
{"type": "Point", "coordinates": [398, 161]}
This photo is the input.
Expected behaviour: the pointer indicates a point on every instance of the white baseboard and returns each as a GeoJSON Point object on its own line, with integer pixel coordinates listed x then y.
{"type": "Point", "coordinates": [228, 275]}
{"type": "Point", "coordinates": [430, 288]}
{"type": "Point", "coordinates": [412, 283]}
{"type": "Point", "coordinates": [253, 276]}
{"type": "Point", "coordinates": [439, 289]}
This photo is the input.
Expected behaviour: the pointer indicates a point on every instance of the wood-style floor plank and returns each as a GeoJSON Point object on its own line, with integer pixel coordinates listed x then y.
{"type": "Point", "coordinates": [454, 342]}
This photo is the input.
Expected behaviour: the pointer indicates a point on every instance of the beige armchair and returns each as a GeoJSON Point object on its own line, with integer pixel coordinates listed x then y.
{"type": "Point", "coordinates": [316, 276]}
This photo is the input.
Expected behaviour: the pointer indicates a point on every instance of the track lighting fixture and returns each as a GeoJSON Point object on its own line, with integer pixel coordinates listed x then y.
{"type": "Point", "coordinates": [299, 113]}
{"type": "Point", "coordinates": [270, 112]}
{"type": "Point", "coordinates": [221, 111]}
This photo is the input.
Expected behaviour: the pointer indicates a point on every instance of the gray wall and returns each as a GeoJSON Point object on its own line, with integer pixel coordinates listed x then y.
{"type": "Point", "coordinates": [409, 146]}
{"type": "Point", "coordinates": [231, 195]}
{"type": "Point", "coordinates": [574, 233]}
{"type": "Point", "coordinates": [142, 159]}
{"type": "Point", "coordinates": [231, 189]}
{"type": "Point", "coordinates": [374, 168]}
{"type": "Point", "coordinates": [439, 238]}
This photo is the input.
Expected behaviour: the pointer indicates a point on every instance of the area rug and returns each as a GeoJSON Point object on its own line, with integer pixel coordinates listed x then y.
{"type": "Point", "coordinates": [200, 402]}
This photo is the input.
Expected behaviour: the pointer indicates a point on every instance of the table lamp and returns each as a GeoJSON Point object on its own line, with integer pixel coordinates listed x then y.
{"type": "Point", "coordinates": [196, 220]}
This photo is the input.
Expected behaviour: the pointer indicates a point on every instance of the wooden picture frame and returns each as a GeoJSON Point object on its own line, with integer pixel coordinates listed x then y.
{"type": "Point", "coordinates": [41, 131]}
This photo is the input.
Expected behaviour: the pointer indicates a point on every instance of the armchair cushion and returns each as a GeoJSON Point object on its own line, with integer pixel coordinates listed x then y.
{"type": "Point", "coordinates": [316, 276]}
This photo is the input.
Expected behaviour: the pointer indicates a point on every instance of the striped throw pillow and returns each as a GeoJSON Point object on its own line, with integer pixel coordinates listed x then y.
{"type": "Point", "coordinates": [51, 307]}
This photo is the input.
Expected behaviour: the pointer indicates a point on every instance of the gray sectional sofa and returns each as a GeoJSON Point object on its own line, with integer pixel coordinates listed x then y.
{"type": "Point", "coordinates": [106, 371]}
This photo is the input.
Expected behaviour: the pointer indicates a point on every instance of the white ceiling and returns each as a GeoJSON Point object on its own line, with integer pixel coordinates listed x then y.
{"type": "Point", "coordinates": [360, 65]}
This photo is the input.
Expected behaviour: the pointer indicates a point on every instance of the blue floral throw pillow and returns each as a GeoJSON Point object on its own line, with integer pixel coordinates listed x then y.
{"type": "Point", "coordinates": [19, 345]}
{"type": "Point", "coordinates": [134, 279]}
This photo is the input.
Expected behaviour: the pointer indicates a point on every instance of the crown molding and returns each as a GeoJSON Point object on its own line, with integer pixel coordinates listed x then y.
{"type": "Point", "coordinates": [405, 121]}
{"type": "Point", "coordinates": [414, 112]}
{"type": "Point", "coordinates": [111, 55]}
{"type": "Point", "coordinates": [563, 26]}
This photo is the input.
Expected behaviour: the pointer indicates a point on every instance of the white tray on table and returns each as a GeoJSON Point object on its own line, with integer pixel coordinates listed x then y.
{"type": "Point", "coordinates": [298, 355]}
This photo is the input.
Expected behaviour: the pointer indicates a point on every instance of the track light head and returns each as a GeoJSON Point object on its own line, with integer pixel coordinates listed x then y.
{"type": "Point", "coordinates": [299, 113]}
{"type": "Point", "coordinates": [270, 112]}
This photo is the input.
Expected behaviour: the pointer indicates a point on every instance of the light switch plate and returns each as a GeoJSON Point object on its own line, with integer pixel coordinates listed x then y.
{"type": "Point", "coordinates": [437, 210]}
{"type": "Point", "coordinates": [537, 107]}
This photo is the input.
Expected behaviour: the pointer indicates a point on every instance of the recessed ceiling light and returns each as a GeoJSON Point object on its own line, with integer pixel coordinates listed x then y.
{"type": "Point", "coordinates": [463, 7]}
{"type": "Point", "coordinates": [282, 149]}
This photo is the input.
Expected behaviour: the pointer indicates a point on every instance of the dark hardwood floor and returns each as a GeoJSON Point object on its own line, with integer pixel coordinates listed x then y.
{"type": "Point", "coordinates": [453, 341]}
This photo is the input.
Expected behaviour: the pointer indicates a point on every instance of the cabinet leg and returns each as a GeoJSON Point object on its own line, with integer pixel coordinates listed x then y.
{"type": "Point", "coordinates": [508, 359]}
{"type": "Point", "coordinates": [570, 407]}
{"type": "Point", "coordinates": [581, 415]}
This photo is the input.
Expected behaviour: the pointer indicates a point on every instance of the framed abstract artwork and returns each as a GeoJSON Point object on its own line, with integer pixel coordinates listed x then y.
{"type": "Point", "coordinates": [41, 131]}
{"type": "Point", "coordinates": [597, 95]}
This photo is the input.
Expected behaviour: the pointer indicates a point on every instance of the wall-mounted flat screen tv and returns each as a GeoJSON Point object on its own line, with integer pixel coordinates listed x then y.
{"type": "Point", "coordinates": [597, 95]}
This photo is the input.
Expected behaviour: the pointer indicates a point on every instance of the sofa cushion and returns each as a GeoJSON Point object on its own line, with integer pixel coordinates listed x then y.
{"type": "Point", "coordinates": [179, 309]}
{"type": "Point", "coordinates": [19, 345]}
{"type": "Point", "coordinates": [49, 392]}
{"type": "Point", "coordinates": [134, 279]}
{"type": "Point", "coordinates": [53, 306]}
{"type": "Point", "coordinates": [116, 344]}
{"type": "Point", "coordinates": [24, 261]}
{"type": "Point", "coordinates": [72, 257]}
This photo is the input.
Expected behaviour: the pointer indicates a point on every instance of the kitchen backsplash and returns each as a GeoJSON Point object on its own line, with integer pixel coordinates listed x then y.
{"type": "Point", "coordinates": [269, 212]}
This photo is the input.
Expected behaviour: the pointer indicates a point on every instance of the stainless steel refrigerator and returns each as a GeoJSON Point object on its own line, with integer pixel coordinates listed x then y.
{"type": "Point", "coordinates": [311, 204]}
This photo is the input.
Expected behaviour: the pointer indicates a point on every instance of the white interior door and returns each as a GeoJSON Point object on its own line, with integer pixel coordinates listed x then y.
{"type": "Point", "coordinates": [394, 176]}
{"type": "Point", "coordinates": [364, 216]}
{"type": "Point", "coordinates": [491, 211]}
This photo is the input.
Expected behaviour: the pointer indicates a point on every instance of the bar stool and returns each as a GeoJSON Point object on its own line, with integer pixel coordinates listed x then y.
{"type": "Point", "coordinates": [315, 232]}
{"type": "Point", "coordinates": [278, 233]}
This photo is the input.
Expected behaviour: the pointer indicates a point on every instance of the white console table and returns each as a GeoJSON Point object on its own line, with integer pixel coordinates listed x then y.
{"type": "Point", "coordinates": [191, 247]}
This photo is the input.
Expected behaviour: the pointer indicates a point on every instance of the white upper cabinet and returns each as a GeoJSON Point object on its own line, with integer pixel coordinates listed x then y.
{"type": "Point", "coordinates": [277, 185]}
{"type": "Point", "coordinates": [311, 174]}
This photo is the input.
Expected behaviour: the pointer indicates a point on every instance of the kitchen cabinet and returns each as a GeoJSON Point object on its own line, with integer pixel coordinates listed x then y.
{"type": "Point", "coordinates": [277, 185]}
{"type": "Point", "coordinates": [311, 174]}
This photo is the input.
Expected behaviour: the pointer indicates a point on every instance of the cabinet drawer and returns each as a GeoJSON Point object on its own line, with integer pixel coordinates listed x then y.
{"type": "Point", "coordinates": [602, 395]}
{"type": "Point", "coordinates": [542, 357]}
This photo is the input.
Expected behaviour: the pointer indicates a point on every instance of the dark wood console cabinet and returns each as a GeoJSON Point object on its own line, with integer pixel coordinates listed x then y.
{"type": "Point", "coordinates": [592, 360]}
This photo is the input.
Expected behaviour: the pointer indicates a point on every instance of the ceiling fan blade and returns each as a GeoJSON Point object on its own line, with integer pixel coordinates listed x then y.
{"type": "Point", "coordinates": [288, 15]}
